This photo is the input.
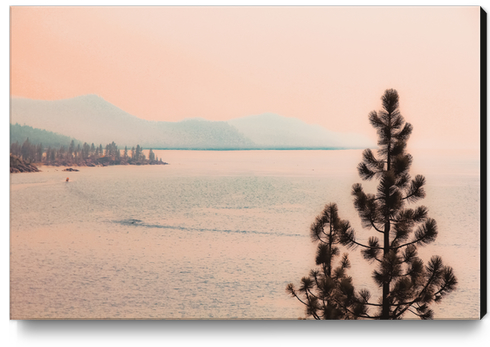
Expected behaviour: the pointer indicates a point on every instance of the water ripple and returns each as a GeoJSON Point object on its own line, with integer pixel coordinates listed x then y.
{"type": "Point", "coordinates": [140, 223]}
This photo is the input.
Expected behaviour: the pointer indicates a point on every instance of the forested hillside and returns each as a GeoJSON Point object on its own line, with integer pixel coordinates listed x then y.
{"type": "Point", "coordinates": [20, 133]}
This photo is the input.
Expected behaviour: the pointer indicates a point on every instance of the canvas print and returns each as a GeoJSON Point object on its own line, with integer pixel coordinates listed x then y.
{"type": "Point", "coordinates": [245, 163]}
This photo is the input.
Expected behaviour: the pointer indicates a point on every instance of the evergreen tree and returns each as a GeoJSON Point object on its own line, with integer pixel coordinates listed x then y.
{"type": "Point", "coordinates": [406, 284]}
{"type": "Point", "coordinates": [113, 148]}
{"type": "Point", "coordinates": [61, 152]}
{"type": "Point", "coordinates": [151, 155]}
{"type": "Point", "coordinates": [48, 154]}
{"type": "Point", "coordinates": [138, 152]}
{"type": "Point", "coordinates": [85, 150]}
{"type": "Point", "coordinates": [15, 149]}
{"type": "Point", "coordinates": [39, 153]}
{"type": "Point", "coordinates": [26, 151]}
{"type": "Point", "coordinates": [328, 292]}
{"type": "Point", "coordinates": [71, 149]}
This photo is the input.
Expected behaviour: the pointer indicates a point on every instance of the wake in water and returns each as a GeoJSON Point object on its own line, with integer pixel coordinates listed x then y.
{"type": "Point", "coordinates": [140, 223]}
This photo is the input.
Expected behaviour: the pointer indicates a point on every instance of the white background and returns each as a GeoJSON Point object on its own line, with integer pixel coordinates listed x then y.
{"type": "Point", "coordinates": [209, 333]}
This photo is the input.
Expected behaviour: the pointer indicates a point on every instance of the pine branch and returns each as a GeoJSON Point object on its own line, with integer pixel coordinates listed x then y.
{"type": "Point", "coordinates": [314, 274]}
{"type": "Point", "coordinates": [405, 133]}
{"type": "Point", "coordinates": [376, 121]}
{"type": "Point", "coordinates": [427, 233]}
{"type": "Point", "coordinates": [449, 283]}
{"type": "Point", "coordinates": [415, 191]}
{"type": "Point", "coordinates": [374, 226]}
{"type": "Point", "coordinates": [311, 310]}
{"type": "Point", "coordinates": [415, 313]}
{"type": "Point", "coordinates": [297, 297]}
{"type": "Point", "coordinates": [401, 164]}
{"type": "Point", "coordinates": [364, 246]}
{"type": "Point", "coordinates": [372, 252]}
{"type": "Point", "coordinates": [419, 297]}
{"type": "Point", "coordinates": [365, 172]}
{"type": "Point", "coordinates": [346, 308]}
{"type": "Point", "coordinates": [371, 304]}
{"type": "Point", "coordinates": [420, 214]}
{"type": "Point", "coordinates": [370, 166]}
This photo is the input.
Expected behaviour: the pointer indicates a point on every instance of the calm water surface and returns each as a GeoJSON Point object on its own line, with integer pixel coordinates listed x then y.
{"type": "Point", "coordinates": [212, 235]}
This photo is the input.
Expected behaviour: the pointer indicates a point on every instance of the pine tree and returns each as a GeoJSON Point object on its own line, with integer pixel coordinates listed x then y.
{"type": "Point", "coordinates": [61, 153]}
{"type": "Point", "coordinates": [85, 150]}
{"type": "Point", "coordinates": [71, 149]}
{"type": "Point", "coordinates": [39, 153]}
{"type": "Point", "coordinates": [26, 151]}
{"type": "Point", "coordinates": [406, 284]}
{"type": "Point", "coordinates": [328, 292]}
{"type": "Point", "coordinates": [48, 154]}
{"type": "Point", "coordinates": [15, 149]}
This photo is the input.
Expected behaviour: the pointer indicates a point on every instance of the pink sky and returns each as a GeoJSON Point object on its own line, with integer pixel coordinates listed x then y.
{"type": "Point", "coordinates": [324, 65]}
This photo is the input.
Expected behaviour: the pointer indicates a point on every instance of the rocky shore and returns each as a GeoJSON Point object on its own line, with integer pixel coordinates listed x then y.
{"type": "Point", "coordinates": [103, 161]}
{"type": "Point", "coordinates": [19, 165]}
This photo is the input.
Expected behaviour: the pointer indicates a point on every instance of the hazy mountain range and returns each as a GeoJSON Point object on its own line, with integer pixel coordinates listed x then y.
{"type": "Point", "coordinates": [90, 118]}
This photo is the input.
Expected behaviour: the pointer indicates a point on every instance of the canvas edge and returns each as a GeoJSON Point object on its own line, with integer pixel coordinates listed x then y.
{"type": "Point", "coordinates": [483, 162]}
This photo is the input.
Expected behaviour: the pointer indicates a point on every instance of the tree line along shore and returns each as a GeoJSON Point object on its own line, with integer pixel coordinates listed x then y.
{"type": "Point", "coordinates": [25, 157]}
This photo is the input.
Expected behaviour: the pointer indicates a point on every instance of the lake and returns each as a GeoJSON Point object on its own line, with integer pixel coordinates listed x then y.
{"type": "Point", "coordinates": [213, 235]}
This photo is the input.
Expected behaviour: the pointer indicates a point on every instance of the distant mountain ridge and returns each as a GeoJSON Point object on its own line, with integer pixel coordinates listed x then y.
{"type": "Point", "coordinates": [273, 131]}
{"type": "Point", "coordinates": [92, 119]}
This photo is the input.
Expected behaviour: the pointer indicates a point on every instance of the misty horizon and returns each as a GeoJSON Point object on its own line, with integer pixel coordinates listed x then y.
{"type": "Point", "coordinates": [90, 118]}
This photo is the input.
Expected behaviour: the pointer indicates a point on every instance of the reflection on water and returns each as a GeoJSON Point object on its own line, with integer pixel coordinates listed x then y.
{"type": "Point", "coordinates": [212, 235]}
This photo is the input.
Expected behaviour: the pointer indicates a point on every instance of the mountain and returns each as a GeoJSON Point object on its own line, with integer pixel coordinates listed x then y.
{"type": "Point", "coordinates": [19, 133]}
{"type": "Point", "coordinates": [88, 118]}
{"type": "Point", "coordinates": [274, 131]}
{"type": "Point", "coordinates": [92, 119]}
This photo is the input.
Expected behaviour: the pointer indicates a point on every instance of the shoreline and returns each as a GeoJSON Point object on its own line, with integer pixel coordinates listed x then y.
{"type": "Point", "coordinates": [18, 165]}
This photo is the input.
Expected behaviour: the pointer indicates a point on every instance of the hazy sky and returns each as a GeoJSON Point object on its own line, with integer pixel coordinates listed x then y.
{"type": "Point", "coordinates": [325, 65]}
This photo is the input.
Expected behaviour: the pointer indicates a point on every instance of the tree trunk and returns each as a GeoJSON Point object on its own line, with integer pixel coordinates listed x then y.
{"type": "Point", "coordinates": [385, 314]}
